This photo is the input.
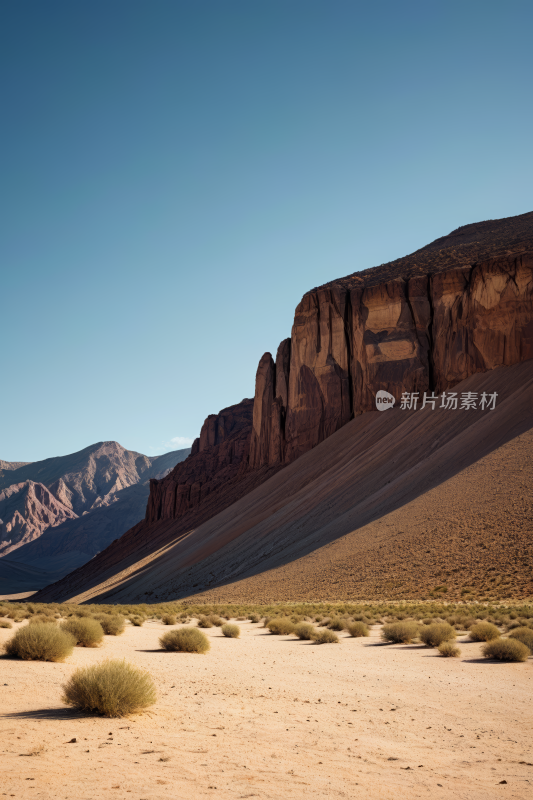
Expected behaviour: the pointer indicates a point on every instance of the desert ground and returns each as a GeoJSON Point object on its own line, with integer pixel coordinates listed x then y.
{"type": "Point", "coordinates": [290, 718]}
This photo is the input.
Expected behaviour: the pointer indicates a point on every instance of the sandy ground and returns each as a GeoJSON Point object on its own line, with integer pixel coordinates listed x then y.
{"type": "Point", "coordinates": [290, 719]}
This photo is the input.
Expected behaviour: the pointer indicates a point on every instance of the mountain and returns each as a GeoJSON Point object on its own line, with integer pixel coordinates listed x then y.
{"type": "Point", "coordinates": [457, 309]}
{"type": "Point", "coordinates": [62, 511]}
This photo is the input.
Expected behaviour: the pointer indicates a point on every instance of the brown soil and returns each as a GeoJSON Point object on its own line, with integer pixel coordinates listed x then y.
{"type": "Point", "coordinates": [270, 717]}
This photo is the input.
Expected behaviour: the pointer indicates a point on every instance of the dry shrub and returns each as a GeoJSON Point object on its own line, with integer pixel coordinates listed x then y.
{"type": "Point", "coordinates": [215, 620]}
{"type": "Point", "coordinates": [169, 619]}
{"type": "Point", "coordinates": [358, 629]}
{"type": "Point", "coordinates": [254, 618]}
{"type": "Point", "coordinates": [524, 635]}
{"type": "Point", "coordinates": [231, 631]}
{"type": "Point", "coordinates": [204, 622]}
{"type": "Point", "coordinates": [336, 624]}
{"type": "Point", "coordinates": [304, 630]}
{"type": "Point", "coordinates": [281, 626]}
{"type": "Point", "coordinates": [400, 632]}
{"type": "Point", "coordinates": [87, 632]}
{"type": "Point", "coordinates": [506, 650]}
{"type": "Point", "coordinates": [112, 688]}
{"type": "Point", "coordinates": [113, 624]}
{"type": "Point", "coordinates": [483, 632]}
{"type": "Point", "coordinates": [42, 619]}
{"type": "Point", "coordinates": [137, 621]}
{"type": "Point", "coordinates": [435, 635]}
{"type": "Point", "coordinates": [325, 636]}
{"type": "Point", "coordinates": [185, 640]}
{"type": "Point", "coordinates": [449, 649]}
{"type": "Point", "coordinates": [5, 624]}
{"type": "Point", "coordinates": [40, 643]}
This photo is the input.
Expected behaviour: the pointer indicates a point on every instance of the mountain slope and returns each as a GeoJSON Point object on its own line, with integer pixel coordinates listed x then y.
{"type": "Point", "coordinates": [26, 511]}
{"type": "Point", "coordinates": [355, 516]}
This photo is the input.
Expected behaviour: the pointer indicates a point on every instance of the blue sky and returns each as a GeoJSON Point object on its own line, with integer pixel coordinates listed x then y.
{"type": "Point", "coordinates": [176, 175]}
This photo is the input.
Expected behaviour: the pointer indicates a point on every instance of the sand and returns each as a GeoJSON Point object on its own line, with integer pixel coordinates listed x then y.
{"type": "Point", "coordinates": [272, 717]}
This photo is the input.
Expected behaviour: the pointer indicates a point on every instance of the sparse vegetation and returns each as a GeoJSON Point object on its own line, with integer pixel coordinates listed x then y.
{"type": "Point", "coordinates": [506, 650]}
{"type": "Point", "coordinates": [281, 626]}
{"type": "Point", "coordinates": [400, 632]}
{"type": "Point", "coordinates": [484, 632]}
{"type": "Point", "coordinates": [231, 631]}
{"type": "Point", "coordinates": [112, 688]}
{"type": "Point", "coordinates": [87, 632]}
{"type": "Point", "coordinates": [42, 619]}
{"type": "Point", "coordinates": [304, 630]}
{"type": "Point", "coordinates": [169, 619]}
{"type": "Point", "coordinates": [113, 624]}
{"type": "Point", "coordinates": [254, 618]}
{"type": "Point", "coordinates": [215, 620]}
{"type": "Point", "coordinates": [336, 624]}
{"type": "Point", "coordinates": [434, 635]}
{"type": "Point", "coordinates": [40, 643]}
{"type": "Point", "coordinates": [204, 622]}
{"type": "Point", "coordinates": [449, 649]}
{"type": "Point", "coordinates": [5, 624]}
{"type": "Point", "coordinates": [185, 640]}
{"type": "Point", "coordinates": [358, 629]}
{"type": "Point", "coordinates": [325, 636]}
{"type": "Point", "coordinates": [138, 622]}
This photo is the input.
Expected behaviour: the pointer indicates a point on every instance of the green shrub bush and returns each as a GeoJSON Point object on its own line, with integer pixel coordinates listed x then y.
{"type": "Point", "coordinates": [524, 635]}
{"type": "Point", "coordinates": [231, 631]}
{"type": "Point", "coordinates": [40, 643]}
{"type": "Point", "coordinates": [358, 629]}
{"type": "Point", "coordinates": [185, 640]}
{"type": "Point", "coordinates": [506, 650]}
{"type": "Point", "coordinates": [112, 688]}
{"type": "Point", "coordinates": [434, 635]}
{"type": "Point", "coordinates": [400, 632]}
{"type": "Point", "coordinates": [449, 649]}
{"type": "Point", "coordinates": [325, 636]}
{"type": "Point", "coordinates": [304, 630]}
{"type": "Point", "coordinates": [483, 632]}
{"type": "Point", "coordinates": [281, 626]}
{"type": "Point", "coordinates": [87, 632]}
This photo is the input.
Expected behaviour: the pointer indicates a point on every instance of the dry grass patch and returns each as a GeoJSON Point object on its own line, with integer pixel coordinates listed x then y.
{"type": "Point", "coordinates": [169, 619]}
{"type": "Point", "coordinates": [112, 688]}
{"type": "Point", "coordinates": [325, 637]}
{"type": "Point", "coordinates": [87, 632]}
{"type": "Point", "coordinates": [185, 640]}
{"type": "Point", "coordinates": [483, 632]}
{"type": "Point", "coordinates": [5, 624]}
{"type": "Point", "coordinates": [281, 626]}
{"type": "Point", "coordinates": [506, 650]}
{"type": "Point", "coordinates": [449, 649]}
{"type": "Point", "coordinates": [42, 619]}
{"type": "Point", "coordinates": [304, 630]}
{"type": "Point", "coordinates": [40, 643]}
{"type": "Point", "coordinates": [204, 622]}
{"type": "Point", "coordinates": [113, 624]}
{"type": "Point", "coordinates": [231, 631]}
{"type": "Point", "coordinates": [358, 629]}
{"type": "Point", "coordinates": [216, 621]}
{"type": "Point", "coordinates": [435, 635]}
{"type": "Point", "coordinates": [400, 632]}
{"type": "Point", "coordinates": [524, 635]}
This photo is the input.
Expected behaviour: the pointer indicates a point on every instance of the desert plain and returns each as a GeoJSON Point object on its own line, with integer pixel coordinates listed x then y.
{"type": "Point", "coordinates": [274, 717]}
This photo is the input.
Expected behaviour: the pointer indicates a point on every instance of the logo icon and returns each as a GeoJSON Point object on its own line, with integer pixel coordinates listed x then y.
{"type": "Point", "coordinates": [384, 400]}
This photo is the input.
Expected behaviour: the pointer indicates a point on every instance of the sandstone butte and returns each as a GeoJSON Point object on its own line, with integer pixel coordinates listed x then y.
{"type": "Point", "coordinates": [460, 306]}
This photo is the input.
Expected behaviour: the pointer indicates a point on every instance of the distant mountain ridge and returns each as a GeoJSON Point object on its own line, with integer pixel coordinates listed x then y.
{"type": "Point", "coordinates": [64, 510]}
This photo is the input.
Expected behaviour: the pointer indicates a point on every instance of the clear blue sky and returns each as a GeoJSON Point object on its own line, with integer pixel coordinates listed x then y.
{"type": "Point", "coordinates": [176, 175]}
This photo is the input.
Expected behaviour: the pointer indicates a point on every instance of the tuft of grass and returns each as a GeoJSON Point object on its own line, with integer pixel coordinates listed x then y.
{"type": "Point", "coordinates": [113, 624]}
{"type": "Point", "coordinates": [231, 631]}
{"type": "Point", "coordinates": [112, 688]}
{"type": "Point", "coordinates": [5, 624]}
{"type": "Point", "coordinates": [449, 649]}
{"type": "Point", "coordinates": [169, 619]}
{"type": "Point", "coordinates": [506, 650]}
{"type": "Point", "coordinates": [40, 643]}
{"type": "Point", "coordinates": [483, 632]}
{"type": "Point", "coordinates": [336, 624]}
{"type": "Point", "coordinates": [304, 630]}
{"type": "Point", "coordinates": [281, 626]}
{"type": "Point", "coordinates": [204, 622]}
{"type": "Point", "coordinates": [435, 635]}
{"type": "Point", "coordinates": [524, 635]}
{"type": "Point", "coordinates": [137, 621]}
{"type": "Point", "coordinates": [215, 620]}
{"type": "Point", "coordinates": [185, 640]}
{"type": "Point", "coordinates": [358, 629]}
{"type": "Point", "coordinates": [87, 632]}
{"type": "Point", "coordinates": [254, 618]}
{"type": "Point", "coordinates": [42, 619]}
{"type": "Point", "coordinates": [400, 632]}
{"type": "Point", "coordinates": [325, 636]}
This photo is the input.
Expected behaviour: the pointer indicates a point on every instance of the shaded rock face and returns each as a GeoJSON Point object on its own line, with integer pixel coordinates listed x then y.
{"type": "Point", "coordinates": [219, 455]}
{"type": "Point", "coordinates": [26, 510]}
{"type": "Point", "coordinates": [423, 334]}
